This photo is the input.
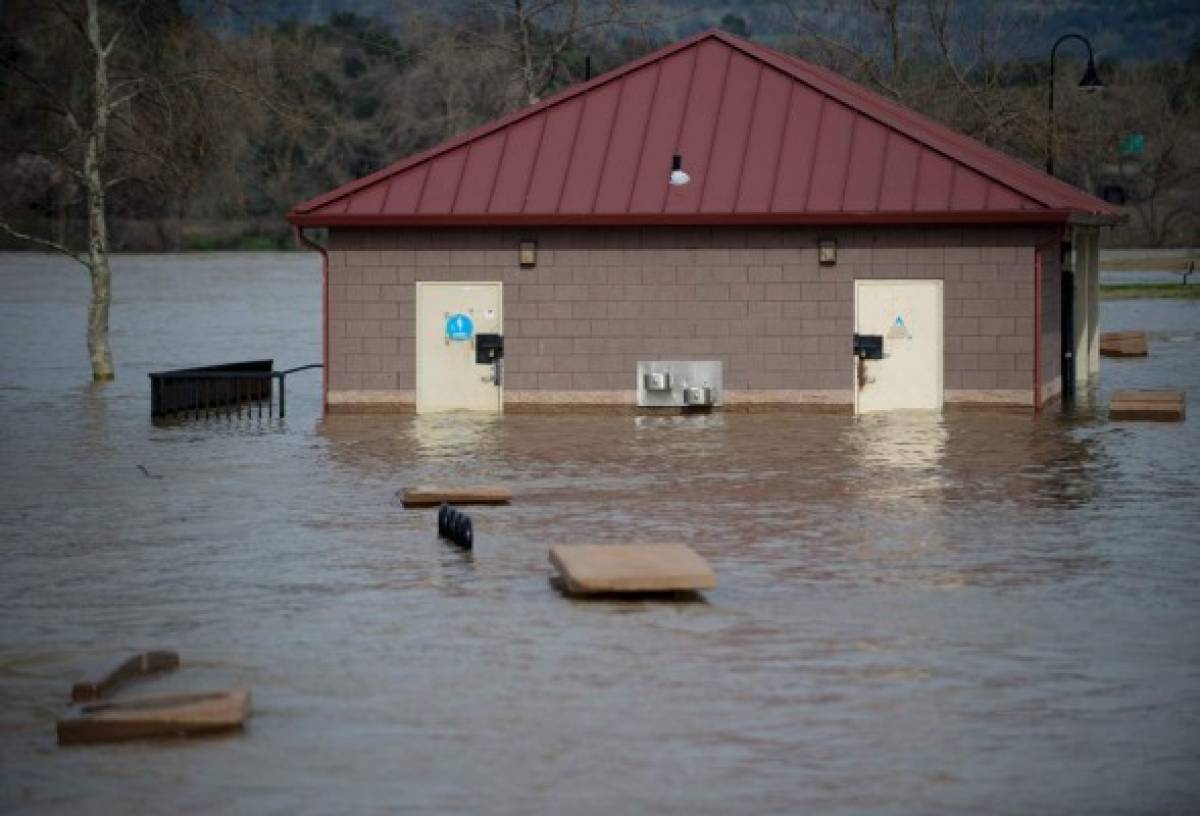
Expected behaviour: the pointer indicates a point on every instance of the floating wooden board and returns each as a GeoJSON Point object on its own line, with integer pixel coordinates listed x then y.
{"type": "Point", "coordinates": [429, 496]}
{"type": "Point", "coordinates": [1123, 344]}
{"type": "Point", "coordinates": [599, 569]}
{"type": "Point", "coordinates": [107, 682]}
{"type": "Point", "coordinates": [1154, 406]}
{"type": "Point", "coordinates": [161, 715]}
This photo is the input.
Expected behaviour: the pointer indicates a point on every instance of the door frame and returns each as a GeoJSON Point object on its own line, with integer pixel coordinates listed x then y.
{"type": "Point", "coordinates": [941, 336]}
{"type": "Point", "coordinates": [419, 345]}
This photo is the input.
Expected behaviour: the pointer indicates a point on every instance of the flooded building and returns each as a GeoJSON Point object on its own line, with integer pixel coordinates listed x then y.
{"type": "Point", "coordinates": [719, 224]}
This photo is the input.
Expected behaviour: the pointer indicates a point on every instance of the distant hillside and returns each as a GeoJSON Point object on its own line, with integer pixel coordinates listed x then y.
{"type": "Point", "coordinates": [1120, 29]}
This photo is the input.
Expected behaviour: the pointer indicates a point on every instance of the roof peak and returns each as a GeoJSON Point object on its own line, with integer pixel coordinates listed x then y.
{"type": "Point", "coordinates": [702, 120]}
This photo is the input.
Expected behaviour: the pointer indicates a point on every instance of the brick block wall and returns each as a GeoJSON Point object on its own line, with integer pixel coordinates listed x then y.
{"type": "Point", "coordinates": [600, 299]}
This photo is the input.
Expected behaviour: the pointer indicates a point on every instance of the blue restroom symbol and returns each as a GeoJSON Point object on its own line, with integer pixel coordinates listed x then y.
{"type": "Point", "coordinates": [459, 327]}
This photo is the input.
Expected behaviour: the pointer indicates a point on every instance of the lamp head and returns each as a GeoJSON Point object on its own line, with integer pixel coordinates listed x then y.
{"type": "Point", "coordinates": [1091, 81]}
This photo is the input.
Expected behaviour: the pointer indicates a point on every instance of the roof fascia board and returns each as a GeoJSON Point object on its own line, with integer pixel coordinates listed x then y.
{"type": "Point", "coordinates": [955, 217]}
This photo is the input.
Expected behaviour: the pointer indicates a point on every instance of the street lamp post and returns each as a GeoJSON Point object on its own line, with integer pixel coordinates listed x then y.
{"type": "Point", "coordinates": [1090, 82]}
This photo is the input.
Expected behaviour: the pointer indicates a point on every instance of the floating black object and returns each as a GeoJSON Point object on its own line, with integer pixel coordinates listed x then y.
{"type": "Point", "coordinates": [456, 526]}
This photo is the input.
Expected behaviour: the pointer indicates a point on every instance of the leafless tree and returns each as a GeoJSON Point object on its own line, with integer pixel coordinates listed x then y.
{"type": "Point", "coordinates": [109, 96]}
{"type": "Point", "coordinates": [1162, 103]}
{"type": "Point", "coordinates": [537, 35]}
{"type": "Point", "coordinates": [926, 55]}
{"type": "Point", "coordinates": [87, 127]}
{"type": "Point", "coordinates": [452, 86]}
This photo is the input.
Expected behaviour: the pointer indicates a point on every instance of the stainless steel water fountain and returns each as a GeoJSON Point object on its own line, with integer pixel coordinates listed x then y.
{"type": "Point", "coordinates": [679, 383]}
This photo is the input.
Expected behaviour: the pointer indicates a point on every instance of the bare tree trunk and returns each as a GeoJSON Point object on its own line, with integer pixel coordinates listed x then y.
{"type": "Point", "coordinates": [97, 337]}
{"type": "Point", "coordinates": [528, 81]}
{"type": "Point", "coordinates": [892, 9]}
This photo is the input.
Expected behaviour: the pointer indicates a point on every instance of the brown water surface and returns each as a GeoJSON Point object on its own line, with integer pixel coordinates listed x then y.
{"type": "Point", "coordinates": [975, 613]}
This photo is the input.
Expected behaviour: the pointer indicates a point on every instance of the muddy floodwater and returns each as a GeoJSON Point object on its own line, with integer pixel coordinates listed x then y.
{"type": "Point", "coordinates": [975, 613]}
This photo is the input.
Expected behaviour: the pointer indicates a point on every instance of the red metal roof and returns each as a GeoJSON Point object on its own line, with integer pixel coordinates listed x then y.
{"type": "Point", "coordinates": [766, 137]}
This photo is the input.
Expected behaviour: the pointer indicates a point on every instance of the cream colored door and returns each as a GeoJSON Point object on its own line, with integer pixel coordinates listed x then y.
{"type": "Point", "coordinates": [908, 315]}
{"type": "Point", "coordinates": [450, 317]}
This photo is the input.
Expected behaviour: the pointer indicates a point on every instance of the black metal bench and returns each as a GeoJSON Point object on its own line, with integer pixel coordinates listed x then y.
{"type": "Point", "coordinates": [219, 390]}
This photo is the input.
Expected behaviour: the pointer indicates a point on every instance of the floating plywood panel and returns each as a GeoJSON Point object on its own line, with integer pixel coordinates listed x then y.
{"type": "Point", "coordinates": [600, 569]}
{"type": "Point", "coordinates": [156, 716]}
{"type": "Point", "coordinates": [105, 682]}
{"type": "Point", "coordinates": [1155, 406]}
{"type": "Point", "coordinates": [431, 496]}
{"type": "Point", "coordinates": [1123, 344]}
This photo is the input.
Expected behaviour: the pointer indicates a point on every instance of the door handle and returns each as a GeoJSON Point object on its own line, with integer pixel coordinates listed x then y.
{"type": "Point", "coordinates": [497, 376]}
{"type": "Point", "coordinates": [863, 378]}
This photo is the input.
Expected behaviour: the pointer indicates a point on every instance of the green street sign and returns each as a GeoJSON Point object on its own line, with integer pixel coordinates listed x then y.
{"type": "Point", "coordinates": [1133, 144]}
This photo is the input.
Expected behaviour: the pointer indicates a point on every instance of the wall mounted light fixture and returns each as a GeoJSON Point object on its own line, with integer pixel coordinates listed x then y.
{"type": "Point", "coordinates": [827, 251]}
{"type": "Point", "coordinates": [678, 177]}
{"type": "Point", "coordinates": [527, 254]}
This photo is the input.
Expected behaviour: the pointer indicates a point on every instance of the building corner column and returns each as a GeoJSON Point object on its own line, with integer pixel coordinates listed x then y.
{"type": "Point", "coordinates": [1081, 266]}
{"type": "Point", "coordinates": [1094, 304]}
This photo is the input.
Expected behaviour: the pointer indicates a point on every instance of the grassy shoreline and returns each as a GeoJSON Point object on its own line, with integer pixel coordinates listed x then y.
{"type": "Point", "coordinates": [1118, 291]}
{"type": "Point", "coordinates": [1175, 263]}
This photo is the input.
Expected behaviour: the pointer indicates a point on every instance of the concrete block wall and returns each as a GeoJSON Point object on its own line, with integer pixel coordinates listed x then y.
{"type": "Point", "coordinates": [600, 299]}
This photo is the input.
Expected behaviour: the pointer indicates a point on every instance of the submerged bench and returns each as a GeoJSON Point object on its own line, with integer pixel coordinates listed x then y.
{"type": "Point", "coordinates": [158, 715]}
{"type": "Point", "coordinates": [615, 569]}
{"type": "Point", "coordinates": [1123, 344]}
{"type": "Point", "coordinates": [431, 496]}
{"type": "Point", "coordinates": [1154, 406]}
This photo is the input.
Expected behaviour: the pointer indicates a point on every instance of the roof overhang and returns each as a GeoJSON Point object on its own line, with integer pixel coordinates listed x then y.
{"type": "Point", "coordinates": [844, 219]}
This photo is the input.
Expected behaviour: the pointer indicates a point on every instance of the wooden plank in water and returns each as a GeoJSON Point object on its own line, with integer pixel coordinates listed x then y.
{"type": "Point", "coordinates": [1154, 406]}
{"type": "Point", "coordinates": [156, 716]}
{"type": "Point", "coordinates": [597, 569]}
{"type": "Point", "coordinates": [431, 496]}
{"type": "Point", "coordinates": [107, 682]}
{"type": "Point", "coordinates": [1123, 344]}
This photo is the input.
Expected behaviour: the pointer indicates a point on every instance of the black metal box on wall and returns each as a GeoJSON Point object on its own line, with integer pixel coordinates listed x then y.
{"type": "Point", "coordinates": [488, 348]}
{"type": "Point", "coordinates": [868, 346]}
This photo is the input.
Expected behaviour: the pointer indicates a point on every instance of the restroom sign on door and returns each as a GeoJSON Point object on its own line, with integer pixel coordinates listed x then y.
{"type": "Point", "coordinates": [459, 327]}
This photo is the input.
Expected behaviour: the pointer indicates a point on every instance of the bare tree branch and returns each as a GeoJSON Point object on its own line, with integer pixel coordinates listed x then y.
{"type": "Point", "coordinates": [112, 43]}
{"type": "Point", "coordinates": [44, 242]}
{"type": "Point", "coordinates": [865, 64]}
{"type": "Point", "coordinates": [49, 93]}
